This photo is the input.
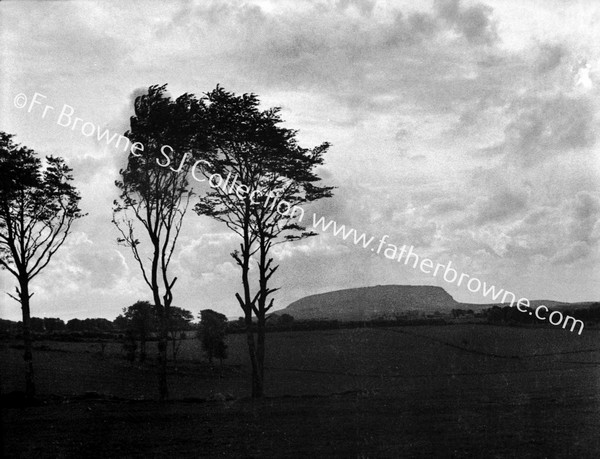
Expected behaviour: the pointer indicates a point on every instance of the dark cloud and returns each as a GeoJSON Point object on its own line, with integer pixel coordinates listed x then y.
{"type": "Point", "coordinates": [441, 206]}
{"type": "Point", "coordinates": [368, 63]}
{"type": "Point", "coordinates": [550, 57]}
{"type": "Point", "coordinates": [499, 207]}
{"type": "Point", "coordinates": [473, 22]}
{"type": "Point", "coordinates": [546, 126]}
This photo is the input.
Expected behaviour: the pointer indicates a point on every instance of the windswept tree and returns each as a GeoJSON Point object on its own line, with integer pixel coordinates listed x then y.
{"type": "Point", "coordinates": [38, 205]}
{"type": "Point", "coordinates": [154, 197]}
{"type": "Point", "coordinates": [272, 178]}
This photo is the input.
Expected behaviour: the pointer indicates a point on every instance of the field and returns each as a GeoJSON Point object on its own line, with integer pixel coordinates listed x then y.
{"type": "Point", "coordinates": [442, 391]}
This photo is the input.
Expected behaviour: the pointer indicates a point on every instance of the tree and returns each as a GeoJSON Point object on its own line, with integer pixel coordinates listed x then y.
{"type": "Point", "coordinates": [286, 319]}
{"type": "Point", "coordinates": [75, 325]}
{"type": "Point", "coordinates": [141, 319]}
{"type": "Point", "coordinates": [276, 176]}
{"type": "Point", "coordinates": [179, 321]}
{"type": "Point", "coordinates": [52, 324]}
{"type": "Point", "coordinates": [38, 206]}
{"type": "Point", "coordinates": [213, 326]}
{"type": "Point", "coordinates": [90, 325]}
{"type": "Point", "coordinates": [154, 198]}
{"type": "Point", "coordinates": [121, 323]}
{"type": "Point", "coordinates": [37, 324]}
{"type": "Point", "coordinates": [129, 346]}
{"type": "Point", "coordinates": [221, 353]}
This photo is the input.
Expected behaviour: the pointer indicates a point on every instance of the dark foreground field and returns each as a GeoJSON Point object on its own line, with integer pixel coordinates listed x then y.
{"type": "Point", "coordinates": [445, 391]}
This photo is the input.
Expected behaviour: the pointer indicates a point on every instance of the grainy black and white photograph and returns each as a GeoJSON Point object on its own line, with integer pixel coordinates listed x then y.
{"type": "Point", "coordinates": [300, 228]}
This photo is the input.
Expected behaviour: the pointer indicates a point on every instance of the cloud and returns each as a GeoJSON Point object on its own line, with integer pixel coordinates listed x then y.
{"type": "Point", "coordinates": [500, 206]}
{"type": "Point", "coordinates": [543, 127]}
{"type": "Point", "coordinates": [474, 22]}
{"type": "Point", "coordinates": [364, 7]}
{"type": "Point", "coordinates": [572, 253]}
{"type": "Point", "coordinates": [208, 257]}
{"type": "Point", "coordinates": [441, 206]}
{"type": "Point", "coordinates": [550, 57]}
{"type": "Point", "coordinates": [585, 215]}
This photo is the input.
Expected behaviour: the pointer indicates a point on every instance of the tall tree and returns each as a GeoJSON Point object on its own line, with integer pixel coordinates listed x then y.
{"type": "Point", "coordinates": [38, 206]}
{"type": "Point", "coordinates": [276, 176]}
{"type": "Point", "coordinates": [154, 197]}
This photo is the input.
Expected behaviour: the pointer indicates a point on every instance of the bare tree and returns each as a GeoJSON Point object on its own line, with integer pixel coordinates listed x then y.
{"type": "Point", "coordinates": [38, 206]}
{"type": "Point", "coordinates": [275, 177]}
{"type": "Point", "coordinates": [154, 198]}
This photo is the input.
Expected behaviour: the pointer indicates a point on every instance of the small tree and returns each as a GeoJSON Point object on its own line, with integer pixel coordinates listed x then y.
{"type": "Point", "coordinates": [52, 324]}
{"type": "Point", "coordinates": [38, 206]}
{"type": "Point", "coordinates": [121, 323]}
{"type": "Point", "coordinates": [221, 354]}
{"type": "Point", "coordinates": [179, 322]}
{"type": "Point", "coordinates": [286, 319]}
{"type": "Point", "coordinates": [129, 346]}
{"type": "Point", "coordinates": [141, 319]}
{"type": "Point", "coordinates": [213, 326]}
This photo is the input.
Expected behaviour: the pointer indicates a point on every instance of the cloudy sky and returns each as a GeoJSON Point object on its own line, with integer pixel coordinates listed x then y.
{"type": "Point", "coordinates": [467, 129]}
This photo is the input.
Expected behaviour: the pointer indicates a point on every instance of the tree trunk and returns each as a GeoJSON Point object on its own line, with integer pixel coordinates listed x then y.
{"type": "Point", "coordinates": [163, 332]}
{"type": "Point", "coordinates": [260, 355]}
{"type": "Point", "coordinates": [142, 349]}
{"type": "Point", "coordinates": [257, 386]}
{"type": "Point", "coordinates": [163, 391]}
{"type": "Point", "coordinates": [28, 342]}
{"type": "Point", "coordinates": [175, 349]}
{"type": "Point", "coordinates": [264, 276]}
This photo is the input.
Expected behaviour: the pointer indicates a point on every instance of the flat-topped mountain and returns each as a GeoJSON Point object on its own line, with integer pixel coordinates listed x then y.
{"type": "Point", "coordinates": [370, 302]}
{"type": "Point", "coordinates": [367, 303]}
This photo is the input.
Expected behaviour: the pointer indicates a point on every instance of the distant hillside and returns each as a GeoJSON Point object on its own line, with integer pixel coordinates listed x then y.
{"type": "Point", "coordinates": [368, 303]}
{"type": "Point", "coordinates": [371, 302]}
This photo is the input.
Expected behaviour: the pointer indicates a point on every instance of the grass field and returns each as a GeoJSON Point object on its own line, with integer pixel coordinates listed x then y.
{"type": "Point", "coordinates": [443, 391]}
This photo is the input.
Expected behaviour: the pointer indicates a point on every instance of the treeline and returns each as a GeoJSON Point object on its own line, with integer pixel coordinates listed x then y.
{"type": "Point", "coordinates": [287, 323]}
{"type": "Point", "coordinates": [139, 318]}
{"type": "Point", "coordinates": [511, 315]}
{"type": "Point", "coordinates": [93, 328]}
{"type": "Point", "coordinates": [53, 325]}
{"type": "Point", "coordinates": [134, 328]}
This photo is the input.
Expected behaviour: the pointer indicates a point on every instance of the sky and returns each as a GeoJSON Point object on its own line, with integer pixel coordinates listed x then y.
{"type": "Point", "coordinates": [466, 129]}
